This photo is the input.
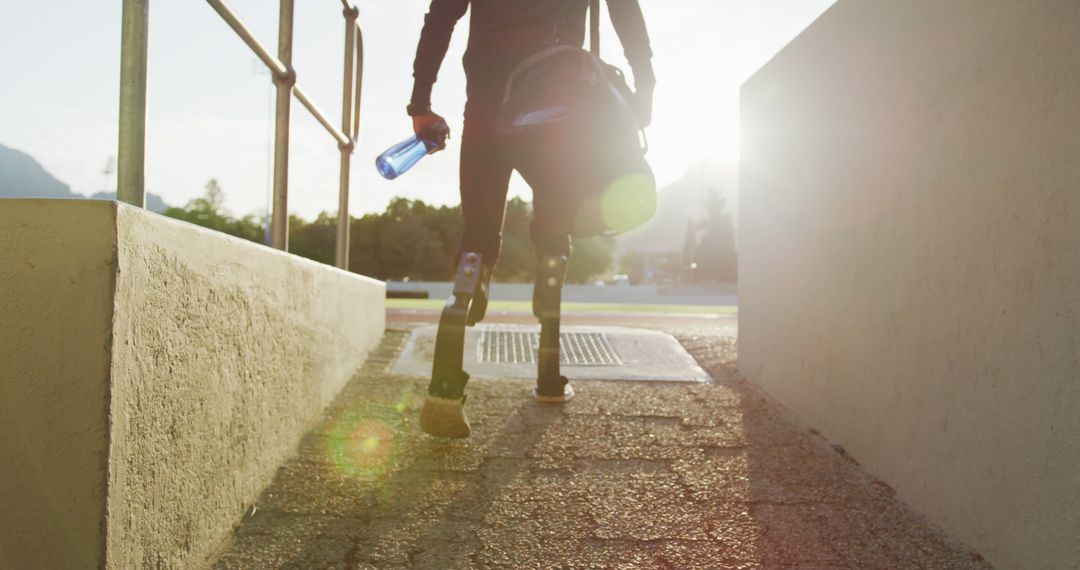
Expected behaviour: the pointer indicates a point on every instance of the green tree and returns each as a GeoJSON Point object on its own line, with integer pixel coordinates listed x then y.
{"type": "Point", "coordinates": [409, 239]}
{"type": "Point", "coordinates": [517, 260]}
{"type": "Point", "coordinates": [208, 211]}
{"type": "Point", "coordinates": [592, 257]}
{"type": "Point", "coordinates": [715, 251]}
{"type": "Point", "coordinates": [314, 240]}
{"type": "Point", "coordinates": [633, 265]}
{"type": "Point", "coordinates": [410, 247]}
{"type": "Point", "coordinates": [688, 261]}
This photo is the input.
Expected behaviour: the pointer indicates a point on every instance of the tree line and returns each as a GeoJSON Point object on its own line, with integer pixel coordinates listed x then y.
{"type": "Point", "coordinates": [409, 240]}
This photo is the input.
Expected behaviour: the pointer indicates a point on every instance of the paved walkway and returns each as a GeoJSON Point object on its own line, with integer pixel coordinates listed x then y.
{"type": "Point", "coordinates": [625, 476]}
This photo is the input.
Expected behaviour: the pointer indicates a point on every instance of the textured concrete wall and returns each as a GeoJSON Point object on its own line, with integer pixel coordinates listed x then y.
{"type": "Point", "coordinates": [243, 346]}
{"type": "Point", "coordinates": [222, 354]}
{"type": "Point", "coordinates": [910, 275]}
{"type": "Point", "coordinates": [56, 280]}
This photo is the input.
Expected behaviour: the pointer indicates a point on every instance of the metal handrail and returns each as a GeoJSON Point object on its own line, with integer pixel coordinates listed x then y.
{"type": "Point", "coordinates": [230, 17]}
{"type": "Point", "coordinates": [131, 152]}
{"type": "Point", "coordinates": [319, 116]}
{"type": "Point", "coordinates": [349, 99]}
{"type": "Point", "coordinates": [359, 79]}
{"type": "Point", "coordinates": [130, 180]}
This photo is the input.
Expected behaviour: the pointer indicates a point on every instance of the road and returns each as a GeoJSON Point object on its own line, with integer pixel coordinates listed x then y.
{"type": "Point", "coordinates": [659, 321]}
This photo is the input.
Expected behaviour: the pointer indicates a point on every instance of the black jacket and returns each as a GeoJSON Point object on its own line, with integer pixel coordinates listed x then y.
{"type": "Point", "coordinates": [511, 30]}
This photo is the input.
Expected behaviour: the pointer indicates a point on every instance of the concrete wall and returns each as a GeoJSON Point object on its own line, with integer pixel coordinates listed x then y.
{"type": "Point", "coordinates": [910, 257]}
{"type": "Point", "coordinates": [202, 360]}
{"type": "Point", "coordinates": [57, 275]}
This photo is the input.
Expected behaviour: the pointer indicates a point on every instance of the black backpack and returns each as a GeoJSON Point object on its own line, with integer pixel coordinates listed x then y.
{"type": "Point", "coordinates": [568, 124]}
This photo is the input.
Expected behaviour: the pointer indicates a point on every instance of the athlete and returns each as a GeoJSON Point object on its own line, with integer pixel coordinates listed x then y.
{"type": "Point", "coordinates": [501, 34]}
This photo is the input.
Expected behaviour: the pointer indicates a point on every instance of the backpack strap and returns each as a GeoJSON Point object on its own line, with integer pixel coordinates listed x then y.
{"type": "Point", "coordinates": [531, 61]}
{"type": "Point", "coordinates": [594, 27]}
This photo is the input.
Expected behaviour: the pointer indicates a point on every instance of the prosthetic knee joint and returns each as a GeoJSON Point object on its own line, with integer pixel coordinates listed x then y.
{"type": "Point", "coordinates": [547, 306]}
{"type": "Point", "coordinates": [465, 307]}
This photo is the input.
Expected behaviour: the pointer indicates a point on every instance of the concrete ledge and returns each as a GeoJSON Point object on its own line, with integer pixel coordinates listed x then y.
{"type": "Point", "coordinates": [154, 375]}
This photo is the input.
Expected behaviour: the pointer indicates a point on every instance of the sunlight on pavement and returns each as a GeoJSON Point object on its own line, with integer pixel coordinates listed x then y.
{"type": "Point", "coordinates": [628, 475]}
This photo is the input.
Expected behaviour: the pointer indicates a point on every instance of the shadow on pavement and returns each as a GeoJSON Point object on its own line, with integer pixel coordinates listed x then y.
{"type": "Point", "coordinates": [628, 475]}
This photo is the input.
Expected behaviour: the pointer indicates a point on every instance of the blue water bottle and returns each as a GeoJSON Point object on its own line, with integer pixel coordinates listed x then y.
{"type": "Point", "coordinates": [398, 159]}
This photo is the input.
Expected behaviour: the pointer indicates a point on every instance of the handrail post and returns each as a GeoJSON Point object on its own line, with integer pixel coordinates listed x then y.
{"type": "Point", "coordinates": [355, 133]}
{"type": "Point", "coordinates": [279, 218]}
{"type": "Point", "coordinates": [341, 253]}
{"type": "Point", "coordinates": [131, 154]}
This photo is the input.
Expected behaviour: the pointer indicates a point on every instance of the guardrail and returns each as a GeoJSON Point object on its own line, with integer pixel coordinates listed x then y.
{"type": "Point", "coordinates": [133, 60]}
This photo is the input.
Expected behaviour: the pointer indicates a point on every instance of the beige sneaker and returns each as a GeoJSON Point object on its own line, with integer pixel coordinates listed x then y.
{"type": "Point", "coordinates": [567, 395]}
{"type": "Point", "coordinates": [443, 417]}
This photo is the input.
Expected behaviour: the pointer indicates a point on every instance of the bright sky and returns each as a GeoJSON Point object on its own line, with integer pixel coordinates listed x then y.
{"type": "Point", "coordinates": [210, 102]}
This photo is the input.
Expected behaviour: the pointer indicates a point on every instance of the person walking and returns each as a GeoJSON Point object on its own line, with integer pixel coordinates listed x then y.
{"type": "Point", "coordinates": [502, 33]}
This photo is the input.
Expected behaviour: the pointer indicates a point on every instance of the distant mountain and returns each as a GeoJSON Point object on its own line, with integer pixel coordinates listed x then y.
{"type": "Point", "coordinates": [21, 176]}
{"type": "Point", "coordinates": [154, 203]}
{"type": "Point", "coordinates": [677, 204]}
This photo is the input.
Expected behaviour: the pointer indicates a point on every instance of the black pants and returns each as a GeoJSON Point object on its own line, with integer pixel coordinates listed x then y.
{"type": "Point", "coordinates": [485, 177]}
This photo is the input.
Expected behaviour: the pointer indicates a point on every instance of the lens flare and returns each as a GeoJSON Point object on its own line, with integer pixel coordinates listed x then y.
{"type": "Point", "coordinates": [364, 442]}
{"type": "Point", "coordinates": [628, 202]}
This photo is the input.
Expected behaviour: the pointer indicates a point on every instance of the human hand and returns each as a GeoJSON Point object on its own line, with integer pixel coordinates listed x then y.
{"type": "Point", "coordinates": [432, 128]}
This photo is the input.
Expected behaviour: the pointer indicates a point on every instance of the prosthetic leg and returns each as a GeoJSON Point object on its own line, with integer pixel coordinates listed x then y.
{"type": "Point", "coordinates": [443, 414]}
{"type": "Point", "coordinates": [551, 386]}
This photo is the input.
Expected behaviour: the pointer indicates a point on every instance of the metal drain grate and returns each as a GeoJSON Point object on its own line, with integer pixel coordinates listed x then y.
{"type": "Point", "coordinates": [519, 347]}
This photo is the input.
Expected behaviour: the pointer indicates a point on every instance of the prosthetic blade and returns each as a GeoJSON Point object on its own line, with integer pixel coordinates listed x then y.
{"type": "Point", "coordinates": [447, 376]}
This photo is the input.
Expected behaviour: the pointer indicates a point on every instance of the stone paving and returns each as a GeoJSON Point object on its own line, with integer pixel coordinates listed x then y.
{"type": "Point", "coordinates": [626, 476]}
